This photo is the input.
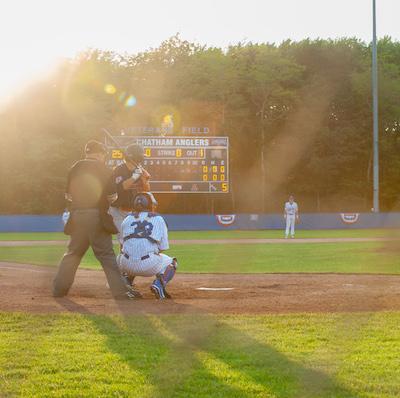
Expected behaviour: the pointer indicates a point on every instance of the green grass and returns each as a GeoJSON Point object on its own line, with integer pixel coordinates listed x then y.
{"type": "Point", "coordinates": [4, 236]}
{"type": "Point", "coordinates": [340, 233]}
{"type": "Point", "coordinates": [365, 257]}
{"type": "Point", "coordinates": [284, 356]}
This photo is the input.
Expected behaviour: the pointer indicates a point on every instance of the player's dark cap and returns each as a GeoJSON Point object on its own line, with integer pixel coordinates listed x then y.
{"type": "Point", "coordinates": [144, 201]}
{"type": "Point", "coordinates": [95, 147]}
{"type": "Point", "coordinates": [134, 153]}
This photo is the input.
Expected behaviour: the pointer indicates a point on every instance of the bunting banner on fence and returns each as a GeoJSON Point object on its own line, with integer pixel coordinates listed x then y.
{"type": "Point", "coordinates": [226, 219]}
{"type": "Point", "coordinates": [349, 218]}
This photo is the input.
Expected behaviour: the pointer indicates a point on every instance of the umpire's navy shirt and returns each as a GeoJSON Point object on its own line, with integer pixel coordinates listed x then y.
{"type": "Point", "coordinates": [89, 184]}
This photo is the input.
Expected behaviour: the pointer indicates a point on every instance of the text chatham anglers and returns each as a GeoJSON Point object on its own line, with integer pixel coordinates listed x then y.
{"type": "Point", "coordinates": [189, 142]}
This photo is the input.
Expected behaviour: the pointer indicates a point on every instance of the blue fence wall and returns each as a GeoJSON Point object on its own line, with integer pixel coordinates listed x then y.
{"type": "Point", "coordinates": [28, 223]}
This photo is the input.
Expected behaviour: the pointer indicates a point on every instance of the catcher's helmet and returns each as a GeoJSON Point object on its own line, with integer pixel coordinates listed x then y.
{"type": "Point", "coordinates": [134, 153]}
{"type": "Point", "coordinates": [144, 201]}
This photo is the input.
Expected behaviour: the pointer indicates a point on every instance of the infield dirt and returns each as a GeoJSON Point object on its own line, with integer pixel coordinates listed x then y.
{"type": "Point", "coordinates": [27, 288]}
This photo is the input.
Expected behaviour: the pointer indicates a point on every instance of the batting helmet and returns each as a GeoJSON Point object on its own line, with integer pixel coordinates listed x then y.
{"type": "Point", "coordinates": [134, 153]}
{"type": "Point", "coordinates": [144, 201]}
{"type": "Point", "coordinates": [95, 147]}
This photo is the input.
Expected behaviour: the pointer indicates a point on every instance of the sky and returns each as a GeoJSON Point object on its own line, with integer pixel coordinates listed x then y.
{"type": "Point", "coordinates": [35, 34]}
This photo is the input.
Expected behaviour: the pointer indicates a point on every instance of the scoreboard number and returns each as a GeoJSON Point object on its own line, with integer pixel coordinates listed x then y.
{"type": "Point", "coordinates": [117, 154]}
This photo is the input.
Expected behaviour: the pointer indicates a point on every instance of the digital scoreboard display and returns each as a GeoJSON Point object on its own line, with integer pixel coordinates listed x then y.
{"type": "Point", "coordinates": [181, 163]}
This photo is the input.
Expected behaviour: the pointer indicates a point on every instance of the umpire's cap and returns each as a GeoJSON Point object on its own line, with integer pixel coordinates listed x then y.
{"type": "Point", "coordinates": [134, 153]}
{"type": "Point", "coordinates": [144, 201]}
{"type": "Point", "coordinates": [95, 147]}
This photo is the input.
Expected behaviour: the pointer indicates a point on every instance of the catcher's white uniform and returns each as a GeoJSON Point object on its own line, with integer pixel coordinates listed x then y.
{"type": "Point", "coordinates": [144, 235]}
{"type": "Point", "coordinates": [291, 212]}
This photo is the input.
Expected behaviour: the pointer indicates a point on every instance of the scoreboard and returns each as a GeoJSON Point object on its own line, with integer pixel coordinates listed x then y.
{"type": "Point", "coordinates": [180, 164]}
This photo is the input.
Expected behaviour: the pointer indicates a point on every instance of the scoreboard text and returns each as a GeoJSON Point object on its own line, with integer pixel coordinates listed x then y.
{"type": "Point", "coordinates": [181, 164]}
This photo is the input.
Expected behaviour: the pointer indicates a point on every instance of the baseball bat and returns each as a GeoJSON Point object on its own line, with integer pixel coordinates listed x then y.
{"type": "Point", "coordinates": [108, 134]}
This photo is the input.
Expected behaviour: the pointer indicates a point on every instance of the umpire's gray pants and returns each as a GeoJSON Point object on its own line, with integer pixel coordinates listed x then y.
{"type": "Point", "coordinates": [87, 231]}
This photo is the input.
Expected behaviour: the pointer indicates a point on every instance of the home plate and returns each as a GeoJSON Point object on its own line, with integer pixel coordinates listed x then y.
{"type": "Point", "coordinates": [214, 288]}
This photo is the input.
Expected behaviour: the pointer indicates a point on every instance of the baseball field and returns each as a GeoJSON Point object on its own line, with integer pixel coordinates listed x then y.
{"type": "Point", "coordinates": [316, 316]}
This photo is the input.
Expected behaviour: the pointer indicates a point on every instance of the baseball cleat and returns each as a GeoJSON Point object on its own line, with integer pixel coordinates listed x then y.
{"type": "Point", "coordinates": [128, 280]}
{"type": "Point", "coordinates": [158, 290]}
{"type": "Point", "coordinates": [133, 294]}
{"type": "Point", "coordinates": [130, 294]}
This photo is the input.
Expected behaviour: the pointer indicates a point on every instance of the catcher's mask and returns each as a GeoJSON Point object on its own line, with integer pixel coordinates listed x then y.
{"type": "Point", "coordinates": [134, 153]}
{"type": "Point", "coordinates": [144, 201]}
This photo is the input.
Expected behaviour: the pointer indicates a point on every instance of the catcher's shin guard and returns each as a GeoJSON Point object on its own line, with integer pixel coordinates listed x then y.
{"type": "Point", "coordinates": [159, 285]}
{"type": "Point", "coordinates": [169, 272]}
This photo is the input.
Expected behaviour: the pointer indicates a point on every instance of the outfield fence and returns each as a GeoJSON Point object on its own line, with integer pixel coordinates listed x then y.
{"type": "Point", "coordinates": [198, 222]}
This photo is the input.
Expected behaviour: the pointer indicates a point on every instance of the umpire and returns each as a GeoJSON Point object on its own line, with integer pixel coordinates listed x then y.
{"type": "Point", "coordinates": [89, 190]}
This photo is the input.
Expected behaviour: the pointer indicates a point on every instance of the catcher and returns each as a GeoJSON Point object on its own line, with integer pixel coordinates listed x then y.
{"type": "Point", "coordinates": [145, 236]}
{"type": "Point", "coordinates": [130, 178]}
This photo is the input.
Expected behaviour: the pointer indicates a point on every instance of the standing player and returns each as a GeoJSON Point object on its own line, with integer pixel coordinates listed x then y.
{"type": "Point", "coordinates": [88, 190]}
{"type": "Point", "coordinates": [291, 214]}
{"type": "Point", "coordinates": [130, 178]}
{"type": "Point", "coordinates": [145, 236]}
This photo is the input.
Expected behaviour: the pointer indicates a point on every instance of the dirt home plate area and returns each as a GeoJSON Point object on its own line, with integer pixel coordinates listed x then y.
{"type": "Point", "coordinates": [26, 288]}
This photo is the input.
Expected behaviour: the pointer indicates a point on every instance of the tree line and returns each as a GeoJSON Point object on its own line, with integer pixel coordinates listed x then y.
{"type": "Point", "coordinates": [298, 116]}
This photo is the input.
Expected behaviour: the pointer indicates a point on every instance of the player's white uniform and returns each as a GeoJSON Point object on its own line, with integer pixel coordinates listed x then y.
{"type": "Point", "coordinates": [144, 235]}
{"type": "Point", "coordinates": [118, 216]}
{"type": "Point", "coordinates": [291, 210]}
